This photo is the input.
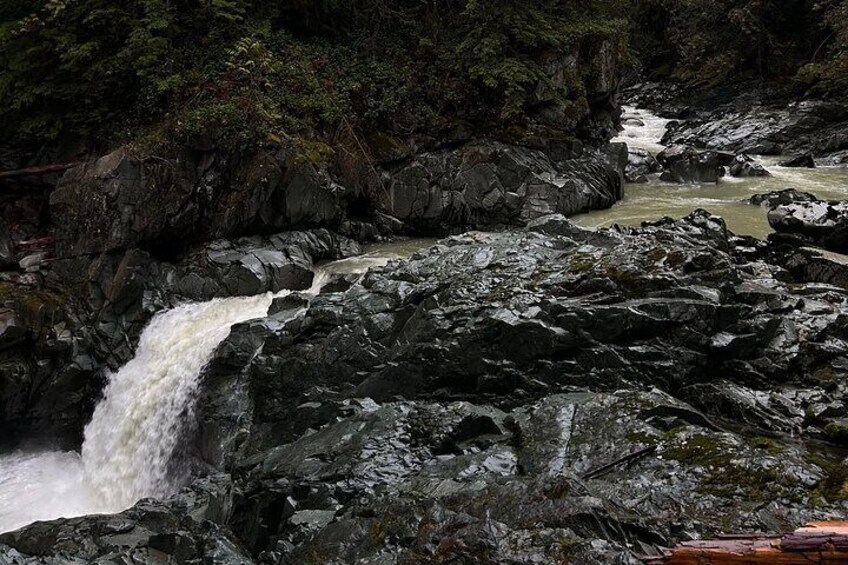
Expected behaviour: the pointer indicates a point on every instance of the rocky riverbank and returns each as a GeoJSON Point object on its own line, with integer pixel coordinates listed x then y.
{"type": "Point", "coordinates": [533, 392]}
{"type": "Point", "coordinates": [553, 393]}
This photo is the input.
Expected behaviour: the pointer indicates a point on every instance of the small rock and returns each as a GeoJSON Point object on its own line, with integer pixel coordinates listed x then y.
{"type": "Point", "coordinates": [34, 261]}
{"type": "Point", "coordinates": [745, 166]}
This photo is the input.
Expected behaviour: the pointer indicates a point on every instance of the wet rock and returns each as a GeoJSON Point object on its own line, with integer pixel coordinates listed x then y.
{"type": "Point", "coordinates": [340, 283]}
{"type": "Point", "coordinates": [67, 323]}
{"type": "Point", "coordinates": [187, 528]}
{"type": "Point", "coordinates": [834, 159]}
{"type": "Point", "coordinates": [817, 265]}
{"type": "Point", "coordinates": [805, 160]}
{"type": "Point", "coordinates": [745, 166]}
{"type": "Point", "coordinates": [781, 198]}
{"type": "Point", "coordinates": [686, 165]}
{"type": "Point", "coordinates": [753, 127]}
{"type": "Point", "coordinates": [824, 224]}
{"type": "Point", "coordinates": [548, 394]}
{"type": "Point", "coordinates": [640, 164]}
{"type": "Point", "coordinates": [122, 200]}
{"type": "Point", "coordinates": [488, 184]}
{"type": "Point", "coordinates": [294, 301]}
{"type": "Point", "coordinates": [618, 157]}
{"type": "Point", "coordinates": [659, 306]}
{"type": "Point", "coordinates": [33, 262]}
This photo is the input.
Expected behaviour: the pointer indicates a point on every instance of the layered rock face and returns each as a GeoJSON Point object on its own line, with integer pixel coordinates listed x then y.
{"type": "Point", "coordinates": [492, 184]}
{"type": "Point", "coordinates": [551, 394]}
{"type": "Point", "coordinates": [121, 201]}
{"type": "Point", "coordinates": [817, 127]}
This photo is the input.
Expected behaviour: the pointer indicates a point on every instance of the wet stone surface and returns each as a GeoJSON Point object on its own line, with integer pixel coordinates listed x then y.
{"type": "Point", "coordinates": [546, 395]}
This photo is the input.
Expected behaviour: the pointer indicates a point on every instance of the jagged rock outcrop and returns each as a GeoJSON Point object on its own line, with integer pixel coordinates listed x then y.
{"type": "Point", "coordinates": [823, 224]}
{"type": "Point", "coordinates": [495, 184]}
{"type": "Point", "coordinates": [812, 126]}
{"type": "Point", "coordinates": [614, 391]}
{"type": "Point", "coordinates": [124, 201]}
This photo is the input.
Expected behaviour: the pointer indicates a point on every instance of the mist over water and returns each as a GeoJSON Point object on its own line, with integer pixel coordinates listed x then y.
{"type": "Point", "coordinates": [655, 199]}
{"type": "Point", "coordinates": [136, 426]}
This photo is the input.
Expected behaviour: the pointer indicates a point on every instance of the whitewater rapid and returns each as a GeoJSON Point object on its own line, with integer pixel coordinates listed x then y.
{"type": "Point", "coordinates": [140, 421]}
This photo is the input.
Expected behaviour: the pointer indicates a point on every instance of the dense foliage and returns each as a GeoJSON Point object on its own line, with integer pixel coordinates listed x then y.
{"type": "Point", "coordinates": [238, 70]}
{"type": "Point", "coordinates": [708, 42]}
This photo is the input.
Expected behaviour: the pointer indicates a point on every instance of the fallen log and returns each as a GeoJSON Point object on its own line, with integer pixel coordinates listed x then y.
{"type": "Point", "coordinates": [822, 543]}
{"type": "Point", "coordinates": [38, 171]}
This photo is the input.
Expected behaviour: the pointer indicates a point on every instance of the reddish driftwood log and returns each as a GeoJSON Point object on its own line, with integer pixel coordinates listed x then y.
{"type": "Point", "coordinates": [824, 543]}
{"type": "Point", "coordinates": [38, 171]}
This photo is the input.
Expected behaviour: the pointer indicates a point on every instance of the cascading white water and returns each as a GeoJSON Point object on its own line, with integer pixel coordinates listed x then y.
{"type": "Point", "coordinates": [642, 130]}
{"type": "Point", "coordinates": [135, 428]}
{"type": "Point", "coordinates": [137, 425]}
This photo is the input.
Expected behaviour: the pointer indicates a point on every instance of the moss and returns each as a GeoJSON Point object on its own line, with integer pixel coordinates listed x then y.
{"type": "Point", "coordinates": [703, 450]}
{"type": "Point", "coordinates": [837, 432]}
{"type": "Point", "coordinates": [656, 255]}
{"type": "Point", "coordinates": [581, 263]}
{"type": "Point", "coordinates": [768, 444]}
{"type": "Point", "coordinates": [387, 526]}
{"type": "Point", "coordinates": [728, 478]}
{"type": "Point", "coordinates": [315, 152]}
{"type": "Point", "coordinates": [558, 489]}
{"type": "Point", "coordinates": [623, 277]}
{"type": "Point", "coordinates": [676, 259]}
{"type": "Point", "coordinates": [834, 485]}
{"type": "Point", "coordinates": [643, 438]}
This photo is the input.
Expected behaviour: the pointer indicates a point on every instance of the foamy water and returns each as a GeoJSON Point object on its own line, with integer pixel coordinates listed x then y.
{"type": "Point", "coordinates": [136, 427]}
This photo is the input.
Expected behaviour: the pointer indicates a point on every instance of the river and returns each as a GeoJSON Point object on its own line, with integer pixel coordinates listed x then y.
{"type": "Point", "coordinates": [656, 198]}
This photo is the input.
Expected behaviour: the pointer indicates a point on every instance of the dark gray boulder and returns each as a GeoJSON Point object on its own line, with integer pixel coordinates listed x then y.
{"type": "Point", "coordinates": [780, 198]}
{"type": "Point", "coordinates": [745, 166]}
{"type": "Point", "coordinates": [188, 528]}
{"type": "Point", "coordinates": [640, 164]}
{"type": "Point", "coordinates": [122, 200]}
{"type": "Point", "coordinates": [618, 156]}
{"type": "Point", "coordinates": [823, 224]}
{"type": "Point", "coordinates": [685, 165]}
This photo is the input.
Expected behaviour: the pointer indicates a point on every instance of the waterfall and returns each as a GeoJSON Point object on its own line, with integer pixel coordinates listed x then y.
{"type": "Point", "coordinates": [136, 427]}
{"type": "Point", "coordinates": [139, 422]}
